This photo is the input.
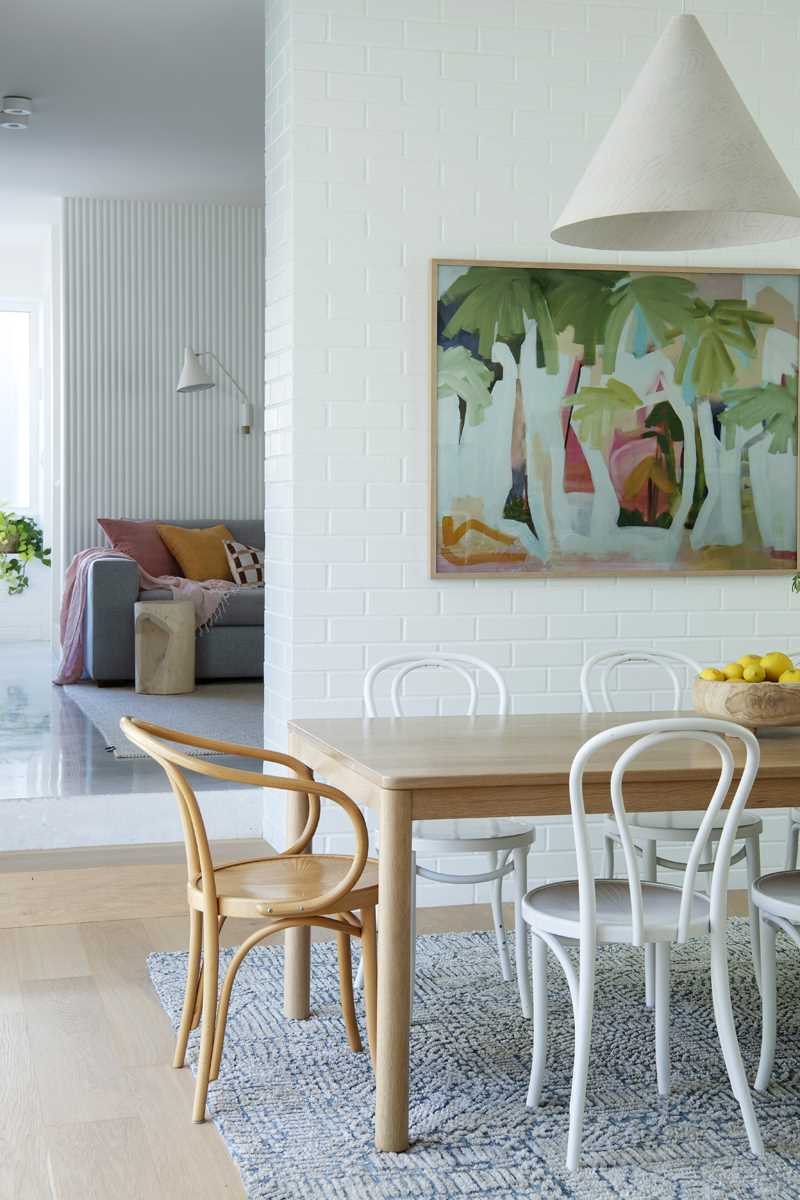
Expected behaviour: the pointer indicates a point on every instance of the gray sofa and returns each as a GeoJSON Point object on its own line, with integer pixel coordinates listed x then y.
{"type": "Point", "coordinates": [233, 648]}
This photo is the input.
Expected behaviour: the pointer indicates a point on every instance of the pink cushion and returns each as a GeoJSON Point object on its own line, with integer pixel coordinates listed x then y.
{"type": "Point", "coordinates": [142, 541]}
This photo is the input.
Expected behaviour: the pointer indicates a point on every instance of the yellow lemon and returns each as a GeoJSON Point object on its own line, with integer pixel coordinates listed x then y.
{"type": "Point", "coordinates": [775, 664]}
{"type": "Point", "coordinates": [733, 670]}
{"type": "Point", "coordinates": [754, 674]}
{"type": "Point", "coordinates": [792, 676]}
{"type": "Point", "coordinates": [712, 674]}
{"type": "Point", "coordinates": [749, 660]}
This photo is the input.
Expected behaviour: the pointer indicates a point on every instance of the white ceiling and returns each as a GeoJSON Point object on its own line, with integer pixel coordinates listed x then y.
{"type": "Point", "coordinates": [147, 98]}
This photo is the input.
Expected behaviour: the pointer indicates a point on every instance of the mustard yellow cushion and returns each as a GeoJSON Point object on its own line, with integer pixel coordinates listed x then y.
{"type": "Point", "coordinates": [200, 552]}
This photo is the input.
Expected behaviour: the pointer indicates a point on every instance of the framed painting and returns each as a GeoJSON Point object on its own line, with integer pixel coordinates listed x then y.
{"type": "Point", "coordinates": [613, 420]}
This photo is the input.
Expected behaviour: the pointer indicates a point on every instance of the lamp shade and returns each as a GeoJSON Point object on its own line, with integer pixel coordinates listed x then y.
{"type": "Point", "coordinates": [684, 165]}
{"type": "Point", "coordinates": [194, 377]}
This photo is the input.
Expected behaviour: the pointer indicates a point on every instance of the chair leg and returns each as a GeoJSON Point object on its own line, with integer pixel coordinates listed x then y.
{"type": "Point", "coordinates": [608, 857]}
{"type": "Point", "coordinates": [791, 849]}
{"type": "Point", "coordinates": [539, 1057]}
{"type": "Point", "coordinates": [584, 1011]}
{"type": "Point", "coordinates": [346, 991]}
{"type": "Point", "coordinates": [726, 1030]}
{"type": "Point", "coordinates": [495, 861]}
{"type": "Point", "coordinates": [768, 1005]}
{"type": "Point", "coordinates": [662, 990]}
{"type": "Point", "coordinates": [413, 954]}
{"type": "Point", "coordinates": [210, 975]}
{"type": "Point", "coordinates": [192, 980]}
{"type": "Point", "coordinates": [752, 858]}
{"type": "Point", "coordinates": [520, 857]}
{"type": "Point", "coordinates": [369, 957]}
{"type": "Point", "coordinates": [649, 871]}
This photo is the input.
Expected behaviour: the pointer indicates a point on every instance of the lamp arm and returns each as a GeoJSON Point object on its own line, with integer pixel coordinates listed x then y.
{"type": "Point", "coordinates": [225, 371]}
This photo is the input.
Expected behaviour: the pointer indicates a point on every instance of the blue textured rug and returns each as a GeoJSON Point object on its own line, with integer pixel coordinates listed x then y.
{"type": "Point", "coordinates": [294, 1105]}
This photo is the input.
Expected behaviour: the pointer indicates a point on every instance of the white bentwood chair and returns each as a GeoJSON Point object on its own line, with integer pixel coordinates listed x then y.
{"type": "Point", "coordinates": [670, 829]}
{"type": "Point", "coordinates": [794, 836]}
{"type": "Point", "coordinates": [777, 898]}
{"type": "Point", "coordinates": [501, 838]}
{"type": "Point", "coordinates": [593, 911]}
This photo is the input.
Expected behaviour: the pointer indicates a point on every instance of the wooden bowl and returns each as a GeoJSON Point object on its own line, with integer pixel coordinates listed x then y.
{"type": "Point", "coordinates": [755, 705]}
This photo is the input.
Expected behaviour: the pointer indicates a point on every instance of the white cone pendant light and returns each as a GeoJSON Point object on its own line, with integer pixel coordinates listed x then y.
{"type": "Point", "coordinates": [683, 166]}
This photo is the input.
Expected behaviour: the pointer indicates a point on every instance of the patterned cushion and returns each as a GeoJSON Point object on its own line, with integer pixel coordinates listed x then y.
{"type": "Point", "coordinates": [246, 563]}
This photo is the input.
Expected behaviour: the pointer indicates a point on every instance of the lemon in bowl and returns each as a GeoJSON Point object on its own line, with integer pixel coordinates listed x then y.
{"type": "Point", "coordinates": [749, 660]}
{"type": "Point", "coordinates": [733, 671]}
{"type": "Point", "coordinates": [776, 664]}
{"type": "Point", "coordinates": [712, 675]}
{"type": "Point", "coordinates": [792, 676]}
{"type": "Point", "coordinates": [755, 673]}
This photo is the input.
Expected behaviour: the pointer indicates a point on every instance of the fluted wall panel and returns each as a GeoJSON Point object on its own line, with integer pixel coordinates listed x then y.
{"type": "Point", "coordinates": [140, 281]}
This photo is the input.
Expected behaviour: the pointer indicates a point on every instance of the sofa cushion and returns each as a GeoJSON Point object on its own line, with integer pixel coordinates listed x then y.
{"type": "Point", "coordinates": [142, 541]}
{"type": "Point", "coordinates": [244, 606]}
{"type": "Point", "coordinates": [200, 552]}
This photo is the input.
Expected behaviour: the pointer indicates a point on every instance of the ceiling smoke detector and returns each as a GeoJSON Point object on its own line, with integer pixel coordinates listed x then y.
{"type": "Point", "coordinates": [15, 112]}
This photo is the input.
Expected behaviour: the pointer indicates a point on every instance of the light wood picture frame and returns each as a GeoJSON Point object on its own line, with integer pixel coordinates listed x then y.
{"type": "Point", "coordinates": [593, 420]}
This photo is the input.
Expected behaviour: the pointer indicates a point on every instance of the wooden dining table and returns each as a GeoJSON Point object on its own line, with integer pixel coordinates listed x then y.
{"type": "Point", "coordinates": [418, 768]}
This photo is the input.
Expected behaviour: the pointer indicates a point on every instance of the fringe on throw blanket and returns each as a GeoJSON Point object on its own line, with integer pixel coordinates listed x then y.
{"type": "Point", "coordinates": [209, 597]}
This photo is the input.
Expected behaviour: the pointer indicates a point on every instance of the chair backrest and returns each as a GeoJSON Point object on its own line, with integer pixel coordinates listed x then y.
{"type": "Point", "coordinates": [153, 739]}
{"type": "Point", "coordinates": [607, 661]}
{"type": "Point", "coordinates": [646, 735]}
{"type": "Point", "coordinates": [464, 665]}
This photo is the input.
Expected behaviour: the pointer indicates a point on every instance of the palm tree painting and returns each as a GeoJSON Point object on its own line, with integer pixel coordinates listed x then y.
{"type": "Point", "coordinates": [592, 420]}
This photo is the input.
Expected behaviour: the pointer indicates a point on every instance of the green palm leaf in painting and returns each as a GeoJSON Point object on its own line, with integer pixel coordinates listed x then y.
{"type": "Point", "coordinates": [719, 328]}
{"type": "Point", "coordinates": [462, 377]}
{"type": "Point", "coordinates": [582, 299]}
{"type": "Point", "coordinates": [773, 406]}
{"type": "Point", "coordinates": [495, 302]}
{"type": "Point", "coordinates": [665, 304]}
{"type": "Point", "coordinates": [596, 408]}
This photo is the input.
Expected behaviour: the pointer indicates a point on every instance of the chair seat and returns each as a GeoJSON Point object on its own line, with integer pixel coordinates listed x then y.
{"type": "Point", "coordinates": [678, 826]}
{"type": "Point", "coordinates": [779, 893]}
{"type": "Point", "coordinates": [554, 908]}
{"type": "Point", "coordinates": [506, 832]}
{"type": "Point", "coordinates": [243, 887]}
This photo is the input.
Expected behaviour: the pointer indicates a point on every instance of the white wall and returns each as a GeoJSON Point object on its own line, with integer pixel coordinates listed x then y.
{"type": "Point", "coordinates": [140, 281]}
{"type": "Point", "coordinates": [26, 274]}
{"type": "Point", "coordinates": [398, 131]}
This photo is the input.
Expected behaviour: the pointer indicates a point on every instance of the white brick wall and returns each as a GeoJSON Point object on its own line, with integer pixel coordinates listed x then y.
{"type": "Point", "coordinates": [398, 131]}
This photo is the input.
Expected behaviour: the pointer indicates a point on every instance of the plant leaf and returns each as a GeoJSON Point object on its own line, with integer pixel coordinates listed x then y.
{"type": "Point", "coordinates": [461, 375]}
{"type": "Point", "coordinates": [594, 410]}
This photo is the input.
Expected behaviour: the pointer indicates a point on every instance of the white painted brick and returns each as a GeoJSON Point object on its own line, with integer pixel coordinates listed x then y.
{"type": "Point", "coordinates": [528, 43]}
{"type": "Point", "coordinates": [383, 575]}
{"type": "Point", "coordinates": [352, 520]}
{"type": "Point", "coordinates": [389, 61]}
{"type": "Point", "coordinates": [372, 629]}
{"type": "Point", "coordinates": [478, 66]}
{"type": "Point", "coordinates": [366, 31]}
{"type": "Point", "coordinates": [409, 602]}
{"type": "Point", "coordinates": [428, 35]}
{"type": "Point", "coordinates": [440, 629]}
{"type": "Point", "coordinates": [476, 601]}
{"type": "Point", "coordinates": [722, 622]}
{"type": "Point", "coordinates": [526, 626]}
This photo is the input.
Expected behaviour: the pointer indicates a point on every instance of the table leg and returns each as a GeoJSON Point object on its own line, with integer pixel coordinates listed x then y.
{"type": "Point", "coordinates": [297, 942]}
{"type": "Point", "coordinates": [394, 965]}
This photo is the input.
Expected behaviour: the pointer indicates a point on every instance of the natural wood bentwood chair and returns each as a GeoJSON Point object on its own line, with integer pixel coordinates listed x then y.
{"type": "Point", "coordinates": [293, 888]}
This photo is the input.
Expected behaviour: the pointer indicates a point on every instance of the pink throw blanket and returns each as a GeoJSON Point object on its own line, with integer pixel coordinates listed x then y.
{"type": "Point", "coordinates": [208, 597]}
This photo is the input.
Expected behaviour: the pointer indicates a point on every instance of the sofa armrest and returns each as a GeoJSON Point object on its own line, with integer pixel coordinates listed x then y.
{"type": "Point", "coordinates": [113, 590]}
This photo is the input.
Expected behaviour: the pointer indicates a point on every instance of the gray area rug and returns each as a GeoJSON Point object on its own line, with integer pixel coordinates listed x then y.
{"type": "Point", "coordinates": [294, 1105]}
{"type": "Point", "coordinates": [232, 712]}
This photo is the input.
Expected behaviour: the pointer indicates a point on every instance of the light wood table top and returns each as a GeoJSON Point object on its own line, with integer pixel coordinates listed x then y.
{"type": "Point", "coordinates": [525, 753]}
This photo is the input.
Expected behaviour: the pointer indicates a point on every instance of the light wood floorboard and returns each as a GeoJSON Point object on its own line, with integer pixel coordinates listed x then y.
{"type": "Point", "coordinates": [90, 1107]}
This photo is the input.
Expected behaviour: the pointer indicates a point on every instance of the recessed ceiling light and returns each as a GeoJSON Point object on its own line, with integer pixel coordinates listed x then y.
{"type": "Point", "coordinates": [17, 106]}
{"type": "Point", "coordinates": [7, 122]}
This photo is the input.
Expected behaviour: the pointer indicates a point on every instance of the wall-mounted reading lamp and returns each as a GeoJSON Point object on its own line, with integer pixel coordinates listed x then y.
{"type": "Point", "coordinates": [195, 378]}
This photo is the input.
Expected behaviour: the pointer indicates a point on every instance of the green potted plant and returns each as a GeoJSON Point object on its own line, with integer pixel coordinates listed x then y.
{"type": "Point", "coordinates": [21, 541]}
